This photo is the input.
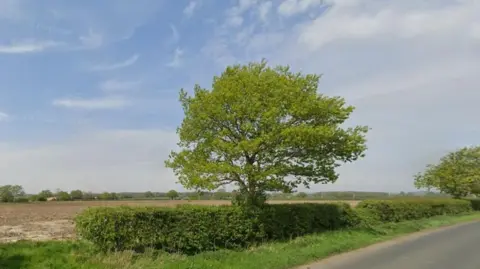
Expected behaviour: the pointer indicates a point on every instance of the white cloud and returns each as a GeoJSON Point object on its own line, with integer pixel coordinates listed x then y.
{"type": "Point", "coordinates": [292, 7]}
{"type": "Point", "coordinates": [340, 23]}
{"type": "Point", "coordinates": [264, 10]}
{"type": "Point", "coordinates": [114, 85]}
{"type": "Point", "coordinates": [175, 34]}
{"type": "Point", "coordinates": [234, 15]}
{"type": "Point", "coordinates": [112, 66]}
{"type": "Point", "coordinates": [190, 8]}
{"type": "Point", "coordinates": [27, 46]}
{"type": "Point", "coordinates": [92, 104]}
{"type": "Point", "coordinates": [91, 40]}
{"type": "Point", "coordinates": [4, 116]}
{"type": "Point", "coordinates": [115, 160]}
{"type": "Point", "coordinates": [177, 58]}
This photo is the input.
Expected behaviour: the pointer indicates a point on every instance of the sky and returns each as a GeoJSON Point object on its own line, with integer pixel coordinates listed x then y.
{"type": "Point", "coordinates": [89, 89]}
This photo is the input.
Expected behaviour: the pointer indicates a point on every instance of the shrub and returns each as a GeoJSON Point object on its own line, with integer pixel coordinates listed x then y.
{"type": "Point", "coordinates": [21, 200]}
{"type": "Point", "coordinates": [192, 229]}
{"type": "Point", "coordinates": [411, 209]}
{"type": "Point", "coordinates": [475, 204]}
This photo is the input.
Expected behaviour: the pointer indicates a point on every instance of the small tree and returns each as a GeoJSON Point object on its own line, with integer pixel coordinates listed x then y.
{"type": "Point", "coordinates": [43, 195]}
{"type": "Point", "coordinates": [88, 196]}
{"type": "Point", "coordinates": [172, 194]}
{"type": "Point", "coordinates": [456, 174]}
{"type": "Point", "coordinates": [76, 195]}
{"type": "Point", "coordinates": [263, 129]}
{"type": "Point", "coordinates": [6, 195]}
{"type": "Point", "coordinates": [105, 196]}
{"type": "Point", "coordinates": [302, 195]}
{"type": "Point", "coordinates": [63, 196]}
{"type": "Point", "coordinates": [149, 194]}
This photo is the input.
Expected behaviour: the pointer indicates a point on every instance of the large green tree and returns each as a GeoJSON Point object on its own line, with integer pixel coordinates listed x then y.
{"type": "Point", "coordinates": [9, 193]}
{"type": "Point", "coordinates": [457, 173]}
{"type": "Point", "coordinates": [264, 129]}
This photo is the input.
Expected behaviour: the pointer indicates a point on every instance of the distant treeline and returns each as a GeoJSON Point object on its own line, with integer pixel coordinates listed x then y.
{"type": "Point", "coordinates": [16, 193]}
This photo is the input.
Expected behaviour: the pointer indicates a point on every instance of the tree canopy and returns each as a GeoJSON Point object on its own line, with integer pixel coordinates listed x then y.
{"type": "Point", "coordinates": [172, 194]}
{"type": "Point", "coordinates": [263, 129]}
{"type": "Point", "coordinates": [457, 173]}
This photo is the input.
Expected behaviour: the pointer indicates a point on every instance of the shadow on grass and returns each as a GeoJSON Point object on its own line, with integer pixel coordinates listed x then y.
{"type": "Point", "coordinates": [13, 262]}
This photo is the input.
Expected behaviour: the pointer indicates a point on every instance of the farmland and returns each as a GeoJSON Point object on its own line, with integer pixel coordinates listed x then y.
{"type": "Point", "coordinates": [54, 220]}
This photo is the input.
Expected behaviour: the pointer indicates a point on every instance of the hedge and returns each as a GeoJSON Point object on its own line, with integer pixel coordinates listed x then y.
{"type": "Point", "coordinates": [475, 204]}
{"type": "Point", "coordinates": [412, 209]}
{"type": "Point", "coordinates": [193, 229]}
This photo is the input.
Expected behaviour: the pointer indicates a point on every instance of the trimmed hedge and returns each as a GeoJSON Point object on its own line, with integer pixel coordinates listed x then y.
{"type": "Point", "coordinates": [193, 229]}
{"type": "Point", "coordinates": [412, 209]}
{"type": "Point", "coordinates": [475, 204]}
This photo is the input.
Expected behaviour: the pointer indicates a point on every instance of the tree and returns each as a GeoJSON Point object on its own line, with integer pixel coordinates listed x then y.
{"type": "Point", "coordinates": [263, 129]}
{"type": "Point", "coordinates": [43, 195]}
{"type": "Point", "coordinates": [457, 173]}
{"type": "Point", "coordinates": [105, 196]}
{"type": "Point", "coordinates": [302, 195]}
{"type": "Point", "coordinates": [6, 195]}
{"type": "Point", "coordinates": [9, 193]}
{"type": "Point", "coordinates": [88, 196]}
{"type": "Point", "coordinates": [76, 195]}
{"type": "Point", "coordinates": [149, 194]}
{"type": "Point", "coordinates": [221, 194]}
{"type": "Point", "coordinates": [172, 194]}
{"type": "Point", "coordinates": [63, 196]}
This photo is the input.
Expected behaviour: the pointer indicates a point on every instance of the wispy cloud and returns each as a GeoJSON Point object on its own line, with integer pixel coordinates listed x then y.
{"type": "Point", "coordinates": [188, 11]}
{"type": "Point", "coordinates": [114, 85]}
{"type": "Point", "coordinates": [92, 104]}
{"type": "Point", "coordinates": [264, 10]}
{"type": "Point", "coordinates": [177, 58]}
{"type": "Point", "coordinates": [175, 34]}
{"type": "Point", "coordinates": [293, 7]}
{"type": "Point", "coordinates": [118, 65]}
{"type": "Point", "coordinates": [92, 40]}
{"type": "Point", "coordinates": [27, 46]}
{"type": "Point", "coordinates": [4, 116]}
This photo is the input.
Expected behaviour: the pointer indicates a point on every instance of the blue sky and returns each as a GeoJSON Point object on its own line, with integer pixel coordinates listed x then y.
{"type": "Point", "coordinates": [89, 88]}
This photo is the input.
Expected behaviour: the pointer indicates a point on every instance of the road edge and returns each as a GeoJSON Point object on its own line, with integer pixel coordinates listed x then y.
{"type": "Point", "coordinates": [376, 246]}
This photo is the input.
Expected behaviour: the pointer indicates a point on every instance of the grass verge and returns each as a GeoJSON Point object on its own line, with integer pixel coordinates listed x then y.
{"type": "Point", "coordinates": [81, 255]}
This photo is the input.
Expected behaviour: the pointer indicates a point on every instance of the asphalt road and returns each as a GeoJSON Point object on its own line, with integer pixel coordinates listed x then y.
{"type": "Point", "coordinates": [456, 247]}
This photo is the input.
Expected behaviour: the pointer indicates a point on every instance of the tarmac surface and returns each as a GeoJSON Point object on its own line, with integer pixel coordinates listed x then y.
{"type": "Point", "coordinates": [455, 247]}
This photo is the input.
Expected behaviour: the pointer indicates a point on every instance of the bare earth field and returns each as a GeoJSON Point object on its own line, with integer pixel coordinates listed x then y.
{"type": "Point", "coordinates": [54, 220]}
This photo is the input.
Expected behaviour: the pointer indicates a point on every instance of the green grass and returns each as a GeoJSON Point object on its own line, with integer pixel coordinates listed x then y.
{"type": "Point", "coordinates": [76, 255]}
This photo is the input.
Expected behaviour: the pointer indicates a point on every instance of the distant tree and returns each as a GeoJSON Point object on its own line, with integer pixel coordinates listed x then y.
{"type": "Point", "coordinates": [6, 195]}
{"type": "Point", "coordinates": [105, 196]}
{"type": "Point", "coordinates": [17, 191]}
{"type": "Point", "coordinates": [457, 173]}
{"type": "Point", "coordinates": [172, 194]}
{"type": "Point", "coordinates": [45, 194]}
{"type": "Point", "coordinates": [302, 195]}
{"type": "Point", "coordinates": [88, 196]}
{"type": "Point", "coordinates": [11, 193]}
{"type": "Point", "coordinates": [113, 196]}
{"type": "Point", "coordinates": [149, 194]}
{"type": "Point", "coordinates": [264, 129]}
{"type": "Point", "coordinates": [63, 196]}
{"type": "Point", "coordinates": [221, 194]}
{"type": "Point", "coordinates": [76, 195]}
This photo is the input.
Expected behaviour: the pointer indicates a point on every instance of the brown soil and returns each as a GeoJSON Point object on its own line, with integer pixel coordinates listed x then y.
{"type": "Point", "coordinates": [54, 220]}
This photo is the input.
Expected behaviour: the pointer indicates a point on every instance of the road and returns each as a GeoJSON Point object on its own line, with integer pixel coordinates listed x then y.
{"type": "Point", "coordinates": [456, 247]}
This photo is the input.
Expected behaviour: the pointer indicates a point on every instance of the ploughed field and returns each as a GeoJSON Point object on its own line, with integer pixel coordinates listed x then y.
{"type": "Point", "coordinates": [54, 220]}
